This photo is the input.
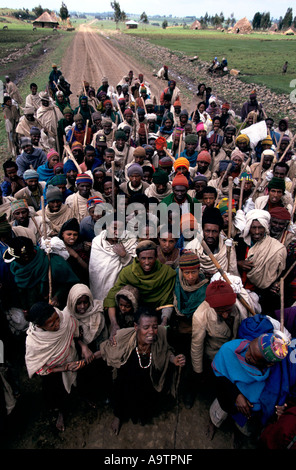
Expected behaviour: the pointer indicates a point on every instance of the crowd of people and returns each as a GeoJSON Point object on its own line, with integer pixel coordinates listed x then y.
{"type": "Point", "coordinates": [147, 249]}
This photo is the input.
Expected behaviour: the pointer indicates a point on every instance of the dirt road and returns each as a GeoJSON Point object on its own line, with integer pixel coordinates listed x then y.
{"type": "Point", "coordinates": [90, 58]}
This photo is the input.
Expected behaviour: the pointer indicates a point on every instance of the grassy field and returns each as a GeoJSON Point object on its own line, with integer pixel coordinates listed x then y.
{"type": "Point", "coordinates": [26, 69]}
{"type": "Point", "coordinates": [258, 56]}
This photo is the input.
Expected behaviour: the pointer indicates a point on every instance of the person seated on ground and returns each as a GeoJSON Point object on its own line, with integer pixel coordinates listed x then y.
{"type": "Point", "coordinates": [167, 250]}
{"type": "Point", "coordinates": [30, 157]}
{"type": "Point", "coordinates": [33, 190]}
{"type": "Point", "coordinates": [214, 237]}
{"type": "Point", "coordinates": [112, 249]}
{"type": "Point", "coordinates": [50, 348]}
{"type": "Point", "coordinates": [12, 183]}
{"type": "Point", "coordinates": [199, 183]}
{"type": "Point", "coordinates": [260, 258]}
{"type": "Point", "coordinates": [154, 280]}
{"type": "Point", "coordinates": [250, 382]}
{"type": "Point", "coordinates": [78, 255]}
{"type": "Point", "coordinates": [78, 200]}
{"type": "Point", "coordinates": [189, 293]}
{"type": "Point", "coordinates": [142, 354]}
{"type": "Point", "coordinates": [276, 197]}
{"type": "Point", "coordinates": [95, 378]}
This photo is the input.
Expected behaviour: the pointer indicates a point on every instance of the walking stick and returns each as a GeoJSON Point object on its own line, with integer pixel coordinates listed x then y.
{"type": "Point", "coordinates": [225, 277]}
{"type": "Point", "coordinates": [112, 173]}
{"type": "Point", "coordinates": [71, 156]}
{"type": "Point", "coordinates": [282, 303]}
{"type": "Point", "coordinates": [290, 145]}
{"type": "Point", "coordinates": [85, 134]}
{"type": "Point", "coordinates": [229, 241]}
{"type": "Point", "coordinates": [221, 181]}
{"type": "Point", "coordinates": [244, 166]}
{"type": "Point", "coordinates": [48, 255]}
{"type": "Point", "coordinates": [241, 194]}
{"type": "Point", "coordinates": [180, 142]}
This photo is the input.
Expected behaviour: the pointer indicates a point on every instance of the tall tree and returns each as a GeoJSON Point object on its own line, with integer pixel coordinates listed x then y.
{"type": "Point", "coordinates": [257, 20]}
{"type": "Point", "coordinates": [119, 15]}
{"type": "Point", "coordinates": [64, 14]}
{"type": "Point", "coordinates": [144, 18]}
{"type": "Point", "coordinates": [288, 18]}
{"type": "Point", "coordinates": [38, 10]}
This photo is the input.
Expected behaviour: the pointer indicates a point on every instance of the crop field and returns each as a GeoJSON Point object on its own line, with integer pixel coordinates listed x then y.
{"type": "Point", "coordinates": [259, 57]}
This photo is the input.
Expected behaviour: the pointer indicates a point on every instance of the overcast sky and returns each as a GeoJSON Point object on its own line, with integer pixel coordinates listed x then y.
{"type": "Point", "coordinates": [240, 8]}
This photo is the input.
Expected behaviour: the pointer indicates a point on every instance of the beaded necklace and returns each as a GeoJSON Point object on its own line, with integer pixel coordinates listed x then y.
{"type": "Point", "coordinates": [139, 357]}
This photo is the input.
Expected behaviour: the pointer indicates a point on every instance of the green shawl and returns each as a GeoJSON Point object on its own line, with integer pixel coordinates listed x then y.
{"type": "Point", "coordinates": [187, 301]}
{"type": "Point", "coordinates": [155, 288]}
{"type": "Point", "coordinates": [36, 271]}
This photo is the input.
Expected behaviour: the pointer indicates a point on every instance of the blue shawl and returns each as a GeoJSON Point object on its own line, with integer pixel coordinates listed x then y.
{"type": "Point", "coordinates": [44, 172]}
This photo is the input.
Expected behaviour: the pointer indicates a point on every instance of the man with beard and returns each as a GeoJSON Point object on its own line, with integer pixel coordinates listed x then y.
{"type": "Point", "coordinates": [280, 219]}
{"type": "Point", "coordinates": [203, 163]}
{"type": "Point", "coordinates": [229, 139]}
{"type": "Point", "coordinates": [277, 197]}
{"type": "Point", "coordinates": [22, 218]}
{"type": "Point", "coordinates": [198, 184]}
{"type": "Point", "coordinates": [30, 157]}
{"type": "Point", "coordinates": [212, 225]}
{"type": "Point", "coordinates": [79, 131]}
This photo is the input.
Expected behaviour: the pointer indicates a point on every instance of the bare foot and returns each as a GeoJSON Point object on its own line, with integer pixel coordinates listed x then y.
{"type": "Point", "coordinates": [115, 426]}
{"type": "Point", "coordinates": [60, 422]}
{"type": "Point", "coordinates": [210, 431]}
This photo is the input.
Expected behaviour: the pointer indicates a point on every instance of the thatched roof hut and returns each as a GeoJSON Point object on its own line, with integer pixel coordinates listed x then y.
{"type": "Point", "coordinates": [242, 26]}
{"type": "Point", "coordinates": [46, 21]}
{"type": "Point", "coordinates": [195, 25]}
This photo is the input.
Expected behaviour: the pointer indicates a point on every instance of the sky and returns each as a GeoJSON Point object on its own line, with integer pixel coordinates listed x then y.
{"type": "Point", "coordinates": [240, 8]}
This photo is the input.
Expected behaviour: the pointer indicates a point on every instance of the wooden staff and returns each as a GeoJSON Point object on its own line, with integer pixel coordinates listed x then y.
{"type": "Point", "coordinates": [244, 166]}
{"type": "Point", "coordinates": [180, 142]}
{"type": "Point", "coordinates": [71, 156]}
{"type": "Point", "coordinates": [57, 137]}
{"type": "Point", "coordinates": [221, 181]}
{"type": "Point", "coordinates": [282, 303]}
{"type": "Point", "coordinates": [113, 184]}
{"type": "Point", "coordinates": [48, 255]}
{"type": "Point", "coordinates": [290, 145]}
{"type": "Point", "coordinates": [225, 277]}
{"type": "Point", "coordinates": [241, 194]}
{"type": "Point", "coordinates": [85, 94]}
{"type": "Point", "coordinates": [240, 128]}
{"type": "Point", "coordinates": [85, 134]}
{"type": "Point", "coordinates": [230, 182]}
{"type": "Point", "coordinates": [119, 109]}
{"type": "Point", "coordinates": [279, 142]}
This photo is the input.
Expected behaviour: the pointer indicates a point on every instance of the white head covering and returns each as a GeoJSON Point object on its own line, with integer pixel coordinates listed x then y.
{"type": "Point", "coordinates": [263, 218]}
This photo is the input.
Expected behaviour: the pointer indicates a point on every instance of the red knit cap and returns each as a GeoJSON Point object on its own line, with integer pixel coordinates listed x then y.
{"type": "Point", "coordinates": [51, 153]}
{"type": "Point", "coordinates": [280, 213]}
{"type": "Point", "coordinates": [220, 294]}
{"type": "Point", "coordinates": [180, 180]}
{"type": "Point", "coordinates": [204, 156]}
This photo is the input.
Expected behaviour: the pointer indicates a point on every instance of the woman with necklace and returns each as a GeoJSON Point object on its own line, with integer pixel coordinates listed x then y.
{"type": "Point", "coordinates": [142, 359]}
